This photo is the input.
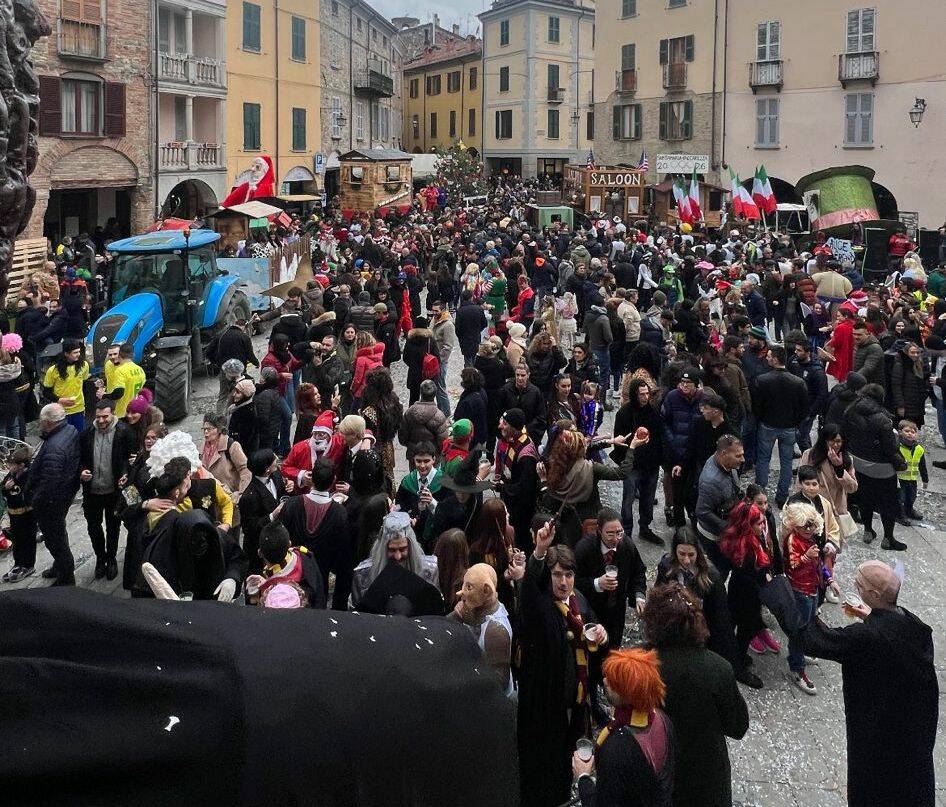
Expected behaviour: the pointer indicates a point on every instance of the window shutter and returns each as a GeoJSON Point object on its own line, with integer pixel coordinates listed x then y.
{"type": "Point", "coordinates": [114, 109]}
{"type": "Point", "coordinates": [664, 48]}
{"type": "Point", "coordinates": [71, 9]}
{"type": "Point", "coordinates": [638, 121]}
{"type": "Point", "coordinates": [497, 124]}
{"type": "Point", "coordinates": [616, 123]}
{"type": "Point", "coordinates": [687, 124]}
{"type": "Point", "coordinates": [50, 106]}
{"type": "Point", "coordinates": [664, 110]}
{"type": "Point", "coordinates": [689, 48]}
{"type": "Point", "coordinates": [91, 10]}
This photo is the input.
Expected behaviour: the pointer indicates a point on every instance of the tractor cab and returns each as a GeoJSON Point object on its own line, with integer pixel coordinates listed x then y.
{"type": "Point", "coordinates": [167, 298]}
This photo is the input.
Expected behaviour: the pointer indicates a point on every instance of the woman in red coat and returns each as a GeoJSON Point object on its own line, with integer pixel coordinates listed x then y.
{"type": "Point", "coordinates": [841, 344]}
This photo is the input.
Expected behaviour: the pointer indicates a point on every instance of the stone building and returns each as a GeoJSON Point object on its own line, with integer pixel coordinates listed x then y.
{"type": "Point", "coordinates": [361, 82]}
{"type": "Point", "coordinates": [538, 75]}
{"type": "Point", "coordinates": [96, 149]}
{"type": "Point", "coordinates": [414, 37]}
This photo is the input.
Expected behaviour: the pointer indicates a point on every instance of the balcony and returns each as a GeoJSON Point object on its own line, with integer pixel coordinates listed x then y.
{"type": "Point", "coordinates": [81, 40]}
{"type": "Point", "coordinates": [765, 74]}
{"type": "Point", "coordinates": [372, 80]}
{"type": "Point", "coordinates": [191, 156]}
{"type": "Point", "coordinates": [858, 67]}
{"type": "Point", "coordinates": [675, 76]}
{"type": "Point", "coordinates": [555, 95]}
{"type": "Point", "coordinates": [625, 81]}
{"type": "Point", "coordinates": [199, 71]}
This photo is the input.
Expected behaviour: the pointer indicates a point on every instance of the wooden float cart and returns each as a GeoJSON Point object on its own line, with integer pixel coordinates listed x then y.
{"type": "Point", "coordinates": [606, 191]}
{"type": "Point", "coordinates": [711, 203]}
{"type": "Point", "coordinates": [374, 180]}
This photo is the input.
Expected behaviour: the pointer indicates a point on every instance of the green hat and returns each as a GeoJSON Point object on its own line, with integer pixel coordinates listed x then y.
{"type": "Point", "coordinates": [759, 333]}
{"type": "Point", "coordinates": [462, 428]}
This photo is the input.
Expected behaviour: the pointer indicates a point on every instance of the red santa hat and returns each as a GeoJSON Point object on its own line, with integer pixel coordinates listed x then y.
{"type": "Point", "coordinates": [325, 422]}
{"type": "Point", "coordinates": [859, 298]}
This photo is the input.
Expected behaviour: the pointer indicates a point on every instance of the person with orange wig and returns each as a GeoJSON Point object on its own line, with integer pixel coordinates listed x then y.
{"type": "Point", "coordinates": [634, 754]}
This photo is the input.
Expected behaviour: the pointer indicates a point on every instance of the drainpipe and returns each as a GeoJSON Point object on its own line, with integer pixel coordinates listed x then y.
{"type": "Point", "coordinates": [713, 162]}
{"type": "Point", "coordinates": [157, 102]}
{"type": "Point", "coordinates": [351, 80]}
{"type": "Point", "coordinates": [278, 174]}
{"type": "Point", "coordinates": [725, 78]}
{"type": "Point", "coordinates": [462, 94]}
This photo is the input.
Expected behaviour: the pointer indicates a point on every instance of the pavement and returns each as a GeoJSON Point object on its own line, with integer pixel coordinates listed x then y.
{"type": "Point", "coordinates": [794, 754]}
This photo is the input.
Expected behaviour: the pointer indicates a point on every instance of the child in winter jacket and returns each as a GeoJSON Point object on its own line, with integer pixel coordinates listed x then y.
{"type": "Point", "coordinates": [367, 358]}
{"type": "Point", "coordinates": [22, 518]}
{"type": "Point", "coordinates": [804, 568]}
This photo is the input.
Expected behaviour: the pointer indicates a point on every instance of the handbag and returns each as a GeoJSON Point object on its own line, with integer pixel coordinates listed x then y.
{"type": "Point", "coordinates": [430, 367]}
{"type": "Point", "coordinates": [847, 525]}
{"type": "Point", "coordinates": [778, 597]}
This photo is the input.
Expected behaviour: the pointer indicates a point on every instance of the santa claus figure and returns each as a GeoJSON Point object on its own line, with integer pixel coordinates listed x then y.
{"type": "Point", "coordinates": [324, 442]}
{"type": "Point", "coordinates": [261, 183]}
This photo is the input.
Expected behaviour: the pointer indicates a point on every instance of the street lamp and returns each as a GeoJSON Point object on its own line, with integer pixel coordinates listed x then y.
{"type": "Point", "coordinates": [916, 114]}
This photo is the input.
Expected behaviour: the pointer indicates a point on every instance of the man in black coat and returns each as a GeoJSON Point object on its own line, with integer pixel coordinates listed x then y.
{"type": "Point", "coordinates": [780, 404]}
{"type": "Point", "coordinates": [52, 485]}
{"type": "Point", "coordinates": [609, 594]}
{"type": "Point", "coordinates": [258, 502]}
{"type": "Point", "coordinates": [522, 395]}
{"type": "Point", "coordinates": [105, 448]}
{"type": "Point", "coordinates": [470, 323]}
{"type": "Point", "coordinates": [811, 371]}
{"type": "Point", "coordinates": [891, 693]}
{"type": "Point", "coordinates": [233, 343]}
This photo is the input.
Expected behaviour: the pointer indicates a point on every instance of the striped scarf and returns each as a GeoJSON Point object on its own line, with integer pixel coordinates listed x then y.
{"type": "Point", "coordinates": [575, 635]}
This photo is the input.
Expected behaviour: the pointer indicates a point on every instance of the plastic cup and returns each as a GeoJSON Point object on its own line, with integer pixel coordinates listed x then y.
{"type": "Point", "coordinates": [590, 632]}
{"type": "Point", "coordinates": [611, 572]}
{"type": "Point", "coordinates": [585, 749]}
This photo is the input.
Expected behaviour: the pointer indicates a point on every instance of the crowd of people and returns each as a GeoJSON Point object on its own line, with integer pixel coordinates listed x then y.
{"type": "Point", "coordinates": [711, 348]}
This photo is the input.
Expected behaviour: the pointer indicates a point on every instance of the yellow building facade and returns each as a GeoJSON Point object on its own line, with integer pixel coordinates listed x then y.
{"type": "Point", "coordinates": [274, 99]}
{"type": "Point", "coordinates": [443, 92]}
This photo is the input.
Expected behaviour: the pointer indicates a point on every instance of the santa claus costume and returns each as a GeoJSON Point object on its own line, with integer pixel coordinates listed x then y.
{"type": "Point", "coordinates": [260, 184]}
{"type": "Point", "coordinates": [325, 443]}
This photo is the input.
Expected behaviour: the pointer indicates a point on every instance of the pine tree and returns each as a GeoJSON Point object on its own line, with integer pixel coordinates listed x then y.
{"type": "Point", "coordinates": [459, 173]}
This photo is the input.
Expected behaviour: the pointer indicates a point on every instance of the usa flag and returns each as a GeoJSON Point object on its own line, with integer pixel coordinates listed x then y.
{"type": "Point", "coordinates": [642, 164]}
{"type": "Point", "coordinates": [591, 160]}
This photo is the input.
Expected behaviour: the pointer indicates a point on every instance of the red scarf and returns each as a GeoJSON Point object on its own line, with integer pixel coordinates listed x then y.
{"type": "Point", "coordinates": [575, 636]}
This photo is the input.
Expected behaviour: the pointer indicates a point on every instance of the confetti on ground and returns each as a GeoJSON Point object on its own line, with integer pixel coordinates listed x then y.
{"type": "Point", "coordinates": [333, 634]}
{"type": "Point", "coordinates": [173, 720]}
{"type": "Point", "coordinates": [371, 638]}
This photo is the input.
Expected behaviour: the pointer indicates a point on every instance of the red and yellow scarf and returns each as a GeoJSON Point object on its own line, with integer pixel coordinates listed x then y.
{"type": "Point", "coordinates": [575, 635]}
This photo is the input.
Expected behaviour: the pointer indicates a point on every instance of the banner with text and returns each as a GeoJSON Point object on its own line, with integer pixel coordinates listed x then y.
{"type": "Point", "coordinates": [682, 163]}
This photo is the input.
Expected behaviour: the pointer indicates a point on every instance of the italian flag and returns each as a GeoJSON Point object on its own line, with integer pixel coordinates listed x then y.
{"type": "Point", "coordinates": [750, 210]}
{"type": "Point", "coordinates": [734, 192]}
{"type": "Point", "coordinates": [762, 193]}
{"type": "Point", "coordinates": [682, 199]}
{"type": "Point", "coordinates": [694, 198]}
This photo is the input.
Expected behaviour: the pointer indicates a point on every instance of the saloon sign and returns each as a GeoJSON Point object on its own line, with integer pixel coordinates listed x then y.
{"type": "Point", "coordinates": [615, 179]}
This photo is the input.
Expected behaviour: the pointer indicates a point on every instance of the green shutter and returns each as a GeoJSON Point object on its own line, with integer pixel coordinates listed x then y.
{"type": "Point", "coordinates": [687, 127]}
{"type": "Point", "coordinates": [664, 112]}
{"type": "Point", "coordinates": [638, 120]}
{"type": "Point", "coordinates": [616, 123]}
{"type": "Point", "coordinates": [251, 26]}
{"type": "Point", "coordinates": [689, 48]}
{"type": "Point", "coordinates": [664, 49]}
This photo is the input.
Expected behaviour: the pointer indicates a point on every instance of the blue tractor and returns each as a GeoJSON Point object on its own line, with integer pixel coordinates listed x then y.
{"type": "Point", "coordinates": [168, 298]}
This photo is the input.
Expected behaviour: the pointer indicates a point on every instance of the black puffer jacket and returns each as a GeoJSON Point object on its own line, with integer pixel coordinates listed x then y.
{"type": "Point", "coordinates": [908, 391]}
{"type": "Point", "coordinates": [868, 433]}
{"type": "Point", "coordinates": [543, 367]}
{"type": "Point", "coordinates": [419, 342]}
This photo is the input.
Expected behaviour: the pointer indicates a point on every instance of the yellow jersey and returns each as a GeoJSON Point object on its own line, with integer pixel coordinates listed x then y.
{"type": "Point", "coordinates": [70, 386]}
{"type": "Point", "coordinates": [128, 376]}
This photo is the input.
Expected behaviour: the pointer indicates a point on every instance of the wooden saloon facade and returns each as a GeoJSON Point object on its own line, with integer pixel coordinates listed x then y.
{"type": "Point", "coordinates": [374, 179]}
{"type": "Point", "coordinates": [608, 191]}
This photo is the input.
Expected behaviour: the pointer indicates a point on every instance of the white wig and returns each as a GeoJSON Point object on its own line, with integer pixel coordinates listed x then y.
{"type": "Point", "coordinates": [175, 444]}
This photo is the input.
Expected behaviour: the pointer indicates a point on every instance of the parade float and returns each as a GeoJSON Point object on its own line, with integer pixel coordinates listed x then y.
{"type": "Point", "coordinates": [374, 180]}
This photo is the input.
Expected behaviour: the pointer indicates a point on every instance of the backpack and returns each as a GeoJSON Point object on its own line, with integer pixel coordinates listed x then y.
{"type": "Point", "coordinates": [430, 367]}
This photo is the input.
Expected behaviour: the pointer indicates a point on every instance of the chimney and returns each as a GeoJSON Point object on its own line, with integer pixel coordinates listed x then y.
{"type": "Point", "coordinates": [456, 29]}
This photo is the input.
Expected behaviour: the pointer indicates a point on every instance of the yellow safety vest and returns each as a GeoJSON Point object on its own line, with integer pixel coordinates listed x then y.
{"type": "Point", "coordinates": [912, 457]}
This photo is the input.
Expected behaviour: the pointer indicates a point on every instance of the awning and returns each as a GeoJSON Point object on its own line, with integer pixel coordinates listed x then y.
{"type": "Point", "coordinates": [254, 209]}
{"type": "Point", "coordinates": [299, 197]}
{"type": "Point", "coordinates": [787, 207]}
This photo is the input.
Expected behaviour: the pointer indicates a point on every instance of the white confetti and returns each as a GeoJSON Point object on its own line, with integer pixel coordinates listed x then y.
{"type": "Point", "coordinates": [158, 668]}
{"type": "Point", "coordinates": [371, 638]}
{"type": "Point", "coordinates": [166, 624]}
{"type": "Point", "coordinates": [173, 720]}
{"type": "Point", "coordinates": [417, 645]}
{"type": "Point", "coordinates": [449, 633]}
{"type": "Point", "coordinates": [333, 621]}
{"type": "Point", "coordinates": [333, 634]}
{"type": "Point", "coordinates": [428, 641]}
{"type": "Point", "coordinates": [422, 627]}
{"type": "Point", "coordinates": [476, 670]}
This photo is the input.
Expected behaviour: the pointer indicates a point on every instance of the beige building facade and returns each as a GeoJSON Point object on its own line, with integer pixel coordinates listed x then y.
{"type": "Point", "coordinates": [658, 83]}
{"type": "Point", "coordinates": [538, 76]}
{"type": "Point", "coordinates": [834, 86]}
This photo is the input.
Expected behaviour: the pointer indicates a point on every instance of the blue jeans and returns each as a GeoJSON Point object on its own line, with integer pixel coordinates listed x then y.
{"type": "Point", "coordinates": [766, 438]}
{"type": "Point", "coordinates": [603, 360]}
{"type": "Point", "coordinates": [11, 428]}
{"type": "Point", "coordinates": [443, 400]}
{"type": "Point", "coordinates": [807, 608]}
{"type": "Point", "coordinates": [643, 487]}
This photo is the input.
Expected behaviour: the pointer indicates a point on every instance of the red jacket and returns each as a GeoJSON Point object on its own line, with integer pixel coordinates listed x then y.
{"type": "Point", "coordinates": [803, 573]}
{"type": "Point", "coordinates": [366, 360]}
{"type": "Point", "coordinates": [299, 459]}
{"type": "Point", "coordinates": [841, 346]}
{"type": "Point", "coordinates": [270, 360]}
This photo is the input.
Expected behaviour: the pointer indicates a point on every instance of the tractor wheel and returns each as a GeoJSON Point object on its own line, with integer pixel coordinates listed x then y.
{"type": "Point", "coordinates": [239, 308]}
{"type": "Point", "coordinates": [172, 383]}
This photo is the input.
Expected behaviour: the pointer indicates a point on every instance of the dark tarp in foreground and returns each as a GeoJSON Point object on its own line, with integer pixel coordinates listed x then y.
{"type": "Point", "coordinates": [272, 707]}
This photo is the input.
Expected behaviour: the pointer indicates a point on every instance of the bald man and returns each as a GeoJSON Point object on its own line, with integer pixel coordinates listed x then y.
{"type": "Point", "coordinates": [891, 694]}
{"type": "Point", "coordinates": [479, 609]}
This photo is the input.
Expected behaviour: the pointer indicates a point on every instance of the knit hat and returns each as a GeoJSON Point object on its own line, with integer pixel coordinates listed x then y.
{"type": "Point", "coordinates": [12, 342]}
{"type": "Point", "coordinates": [462, 428]}
{"type": "Point", "coordinates": [139, 405]}
{"type": "Point", "coordinates": [245, 387]}
{"type": "Point", "coordinates": [753, 278]}
{"type": "Point", "coordinates": [516, 330]}
{"type": "Point", "coordinates": [232, 367]}
{"type": "Point", "coordinates": [515, 418]}
{"type": "Point", "coordinates": [759, 333]}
